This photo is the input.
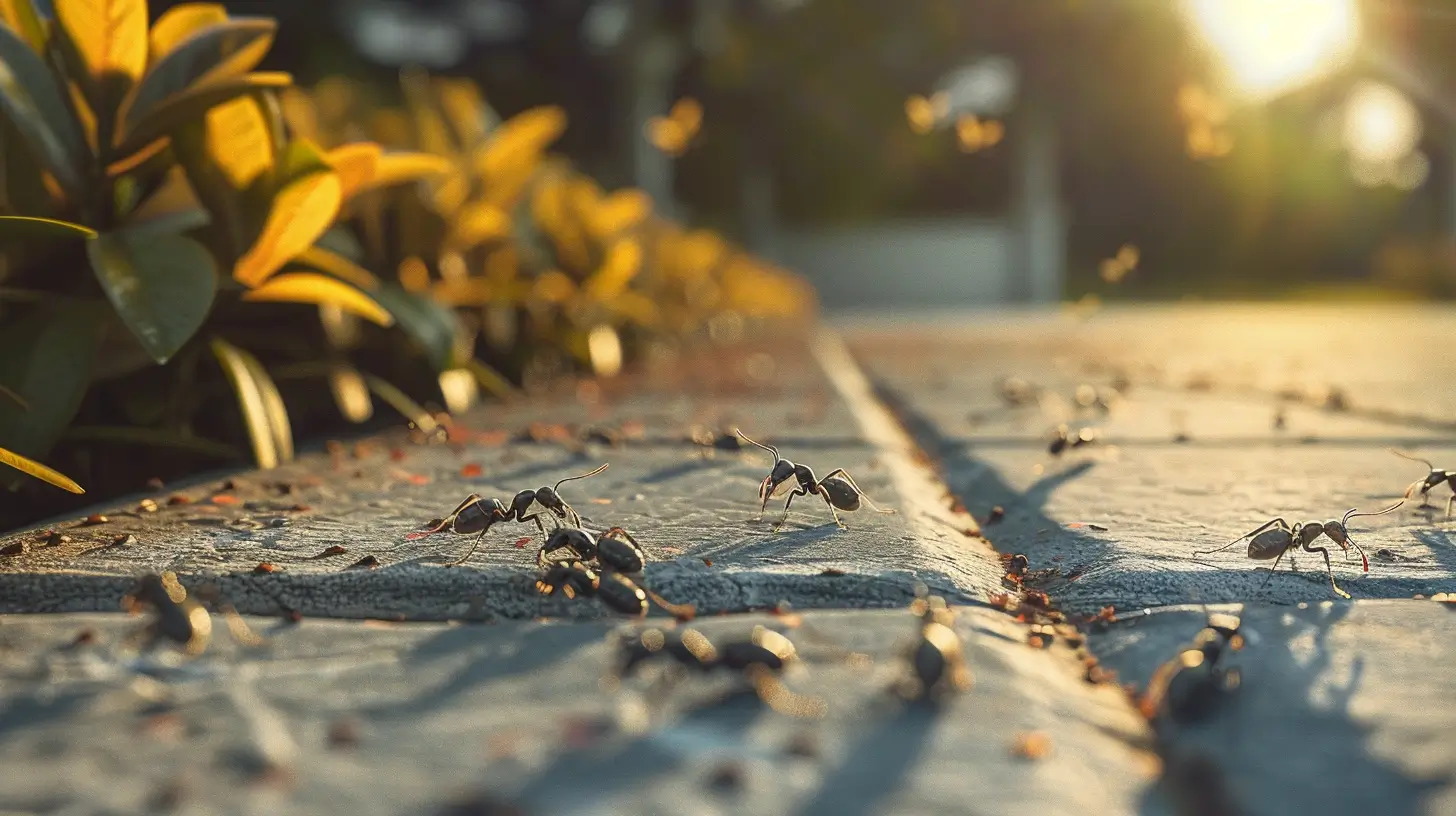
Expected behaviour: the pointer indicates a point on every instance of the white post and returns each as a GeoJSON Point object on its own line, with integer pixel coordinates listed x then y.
{"type": "Point", "coordinates": [1039, 219]}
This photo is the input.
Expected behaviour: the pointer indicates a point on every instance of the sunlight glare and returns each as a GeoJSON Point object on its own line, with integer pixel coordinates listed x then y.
{"type": "Point", "coordinates": [1381, 124]}
{"type": "Point", "coordinates": [1269, 47]}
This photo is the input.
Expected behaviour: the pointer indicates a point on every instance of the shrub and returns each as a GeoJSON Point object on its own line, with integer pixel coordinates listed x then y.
{"type": "Point", "coordinates": [169, 215]}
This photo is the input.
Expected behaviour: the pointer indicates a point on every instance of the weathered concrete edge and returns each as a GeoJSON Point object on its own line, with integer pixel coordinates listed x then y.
{"type": "Point", "coordinates": [926, 497]}
{"type": "Point", "coordinates": [460, 594]}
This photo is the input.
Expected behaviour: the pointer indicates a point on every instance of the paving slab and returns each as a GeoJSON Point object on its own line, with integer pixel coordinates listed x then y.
{"type": "Point", "coordinates": [344, 717]}
{"type": "Point", "coordinates": [1340, 708]}
{"type": "Point", "coordinates": [694, 508]}
{"type": "Point", "coordinates": [1180, 469]}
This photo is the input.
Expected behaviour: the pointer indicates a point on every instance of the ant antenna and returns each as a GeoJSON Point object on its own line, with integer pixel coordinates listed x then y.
{"type": "Point", "coordinates": [1412, 458]}
{"type": "Point", "coordinates": [769, 448]}
{"type": "Point", "coordinates": [1353, 514]}
{"type": "Point", "coordinates": [582, 476]}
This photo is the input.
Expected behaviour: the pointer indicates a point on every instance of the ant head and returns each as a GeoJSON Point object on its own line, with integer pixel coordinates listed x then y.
{"type": "Point", "coordinates": [783, 470]}
{"type": "Point", "coordinates": [547, 497]}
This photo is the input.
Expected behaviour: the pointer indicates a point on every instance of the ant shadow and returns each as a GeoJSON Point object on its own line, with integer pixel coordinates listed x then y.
{"type": "Point", "coordinates": [875, 767]}
{"type": "Point", "coordinates": [724, 719]}
{"type": "Point", "coordinates": [496, 651]}
{"type": "Point", "coordinates": [1293, 702]}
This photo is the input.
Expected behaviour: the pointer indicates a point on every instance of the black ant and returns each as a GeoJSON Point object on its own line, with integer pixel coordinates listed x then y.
{"type": "Point", "coordinates": [760, 659]}
{"type": "Point", "coordinates": [1188, 687]}
{"type": "Point", "coordinates": [478, 515]}
{"type": "Point", "coordinates": [838, 489]}
{"type": "Point", "coordinates": [1432, 481]}
{"type": "Point", "coordinates": [615, 549]}
{"type": "Point", "coordinates": [938, 656]}
{"type": "Point", "coordinates": [1063, 439]}
{"type": "Point", "coordinates": [575, 579]}
{"type": "Point", "coordinates": [1276, 537]}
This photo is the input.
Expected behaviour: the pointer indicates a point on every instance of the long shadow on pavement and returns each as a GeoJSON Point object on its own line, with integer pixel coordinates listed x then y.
{"type": "Point", "coordinates": [875, 766]}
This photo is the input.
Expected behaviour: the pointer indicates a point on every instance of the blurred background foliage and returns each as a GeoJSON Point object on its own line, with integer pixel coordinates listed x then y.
{"type": "Point", "coordinates": [204, 263]}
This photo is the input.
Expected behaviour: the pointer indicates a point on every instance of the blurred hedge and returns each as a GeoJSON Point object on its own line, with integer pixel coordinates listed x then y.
{"type": "Point", "coordinates": [192, 249]}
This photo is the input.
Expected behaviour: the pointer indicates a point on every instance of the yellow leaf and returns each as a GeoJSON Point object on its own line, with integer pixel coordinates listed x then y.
{"type": "Point", "coordinates": [239, 141]}
{"type": "Point", "coordinates": [351, 394]}
{"type": "Point", "coordinates": [398, 168]}
{"type": "Point", "coordinates": [110, 36]}
{"type": "Point", "coordinates": [180, 22]}
{"type": "Point", "coordinates": [619, 212]}
{"type": "Point", "coordinates": [86, 119]}
{"type": "Point", "coordinates": [554, 286]}
{"type": "Point", "coordinates": [414, 275]}
{"type": "Point", "coordinates": [623, 262]}
{"type": "Point", "coordinates": [490, 379]}
{"type": "Point", "coordinates": [268, 429]}
{"type": "Point", "coordinates": [465, 292]}
{"type": "Point", "coordinates": [520, 140]}
{"type": "Point", "coordinates": [478, 223]}
{"type": "Point", "coordinates": [301, 212]}
{"type": "Point", "coordinates": [39, 471]}
{"type": "Point", "coordinates": [465, 108]}
{"type": "Point", "coordinates": [300, 115]}
{"type": "Point", "coordinates": [356, 165]}
{"type": "Point", "coordinates": [459, 388]}
{"type": "Point", "coordinates": [311, 287]}
{"type": "Point", "coordinates": [337, 265]}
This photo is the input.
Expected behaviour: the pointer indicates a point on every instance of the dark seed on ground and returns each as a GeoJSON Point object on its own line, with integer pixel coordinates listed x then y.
{"type": "Point", "coordinates": [367, 562]}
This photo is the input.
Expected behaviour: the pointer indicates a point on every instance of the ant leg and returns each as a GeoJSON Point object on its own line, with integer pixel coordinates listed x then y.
{"type": "Point", "coordinates": [627, 536]}
{"type": "Point", "coordinates": [473, 547]}
{"type": "Point", "coordinates": [765, 491]}
{"type": "Point", "coordinates": [1271, 571]}
{"type": "Point", "coordinates": [1309, 545]}
{"type": "Point", "coordinates": [536, 517]}
{"type": "Point", "coordinates": [1451, 500]}
{"type": "Point", "coordinates": [798, 491]}
{"type": "Point", "coordinates": [824, 494]}
{"type": "Point", "coordinates": [1279, 522]}
{"type": "Point", "coordinates": [853, 484]}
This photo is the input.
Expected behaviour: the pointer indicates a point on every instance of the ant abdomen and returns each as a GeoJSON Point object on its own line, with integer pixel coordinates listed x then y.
{"type": "Point", "coordinates": [840, 493]}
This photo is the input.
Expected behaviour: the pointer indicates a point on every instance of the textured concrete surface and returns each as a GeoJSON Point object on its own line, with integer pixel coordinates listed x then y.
{"type": "Point", "coordinates": [1180, 469]}
{"type": "Point", "coordinates": [1341, 707]}
{"type": "Point", "coordinates": [340, 717]}
{"type": "Point", "coordinates": [695, 509]}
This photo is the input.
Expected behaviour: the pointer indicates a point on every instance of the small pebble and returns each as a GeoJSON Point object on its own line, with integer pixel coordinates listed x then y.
{"type": "Point", "coordinates": [367, 562]}
{"type": "Point", "coordinates": [16, 548]}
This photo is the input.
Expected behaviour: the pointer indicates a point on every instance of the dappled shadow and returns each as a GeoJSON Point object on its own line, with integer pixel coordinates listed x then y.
{"type": "Point", "coordinates": [876, 766]}
{"type": "Point", "coordinates": [1293, 702]}
{"type": "Point", "coordinates": [713, 726]}
{"type": "Point", "coordinates": [495, 652]}
{"type": "Point", "coordinates": [19, 713]}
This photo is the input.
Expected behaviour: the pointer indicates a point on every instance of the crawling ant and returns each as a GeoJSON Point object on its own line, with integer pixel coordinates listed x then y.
{"type": "Point", "coordinates": [838, 489]}
{"type": "Point", "coordinates": [1276, 537]}
{"type": "Point", "coordinates": [615, 549]}
{"type": "Point", "coordinates": [478, 515]}
{"type": "Point", "coordinates": [759, 659]}
{"type": "Point", "coordinates": [938, 658]}
{"type": "Point", "coordinates": [1432, 481]}
{"type": "Point", "coordinates": [1063, 439]}
{"type": "Point", "coordinates": [1188, 687]}
{"type": "Point", "coordinates": [573, 578]}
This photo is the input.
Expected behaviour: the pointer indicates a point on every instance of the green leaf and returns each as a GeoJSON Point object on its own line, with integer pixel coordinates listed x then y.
{"type": "Point", "coordinates": [431, 325]}
{"type": "Point", "coordinates": [39, 471]}
{"type": "Point", "coordinates": [207, 55]}
{"type": "Point", "coordinates": [300, 159]}
{"type": "Point", "coordinates": [16, 227]}
{"type": "Point", "coordinates": [32, 99]}
{"type": "Point", "coordinates": [22, 17]}
{"type": "Point", "coordinates": [161, 284]}
{"type": "Point", "coordinates": [46, 357]}
{"type": "Point", "coordinates": [189, 104]}
{"type": "Point", "coordinates": [341, 241]}
{"type": "Point", "coordinates": [263, 410]}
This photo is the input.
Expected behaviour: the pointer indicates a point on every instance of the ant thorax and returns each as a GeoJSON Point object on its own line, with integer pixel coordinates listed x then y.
{"type": "Point", "coordinates": [805, 475]}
